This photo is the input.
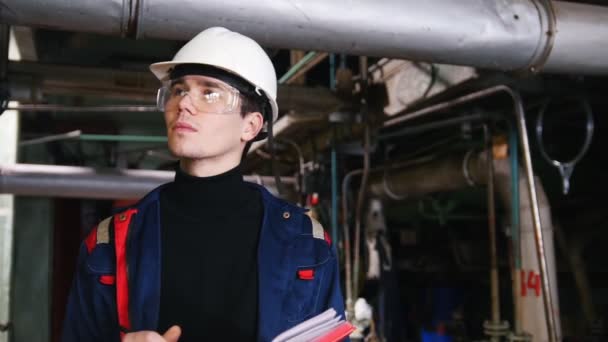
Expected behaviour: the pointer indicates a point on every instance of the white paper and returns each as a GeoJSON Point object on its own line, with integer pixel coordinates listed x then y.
{"type": "Point", "coordinates": [317, 331]}
{"type": "Point", "coordinates": [323, 319]}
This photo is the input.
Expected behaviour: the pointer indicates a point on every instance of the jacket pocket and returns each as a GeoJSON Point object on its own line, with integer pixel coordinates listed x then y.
{"type": "Point", "coordinates": [102, 260]}
{"type": "Point", "coordinates": [302, 300]}
{"type": "Point", "coordinates": [99, 277]}
{"type": "Point", "coordinates": [108, 279]}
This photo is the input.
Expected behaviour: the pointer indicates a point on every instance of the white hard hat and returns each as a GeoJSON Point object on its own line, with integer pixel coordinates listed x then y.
{"type": "Point", "coordinates": [229, 51]}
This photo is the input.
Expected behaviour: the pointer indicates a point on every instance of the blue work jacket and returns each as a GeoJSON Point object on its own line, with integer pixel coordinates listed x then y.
{"type": "Point", "coordinates": [298, 272]}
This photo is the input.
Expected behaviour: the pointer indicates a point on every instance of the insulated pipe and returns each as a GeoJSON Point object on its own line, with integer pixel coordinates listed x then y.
{"type": "Point", "coordinates": [502, 35]}
{"type": "Point", "coordinates": [85, 182]}
{"type": "Point", "coordinates": [546, 281]}
{"type": "Point", "coordinates": [446, 174]}
{"type": "Point", "coordinates": [579, 27]}
{"type": "Point", "coordinates": [531, 312]}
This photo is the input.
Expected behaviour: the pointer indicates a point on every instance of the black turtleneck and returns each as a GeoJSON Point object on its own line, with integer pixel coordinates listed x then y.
{"type": "Point", "coordinates": [210, 230]}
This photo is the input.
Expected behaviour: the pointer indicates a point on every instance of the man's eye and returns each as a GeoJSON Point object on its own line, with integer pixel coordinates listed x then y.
{"type": "Point", "coordinates": [177, 90]}
{"type": "Point", "coordinates": [211, 95]}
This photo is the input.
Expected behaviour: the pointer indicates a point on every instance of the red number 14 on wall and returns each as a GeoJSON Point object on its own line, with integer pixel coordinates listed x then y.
{"type": "Point", "coordinates": [530, 282]}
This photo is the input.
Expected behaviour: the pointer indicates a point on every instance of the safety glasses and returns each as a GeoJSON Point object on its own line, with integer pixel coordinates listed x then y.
{"type": "Point", "coordinates": [206, 94]}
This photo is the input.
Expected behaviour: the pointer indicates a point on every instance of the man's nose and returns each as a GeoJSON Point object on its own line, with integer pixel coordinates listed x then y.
{"type": "Point", "coordinates": [186, 104]}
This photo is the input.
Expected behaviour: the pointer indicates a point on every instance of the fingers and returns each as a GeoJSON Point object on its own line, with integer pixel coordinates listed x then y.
{"type": "Point", "coordinates": [143, 336]}
{"type": "Point", "coordinates": [173, 334]}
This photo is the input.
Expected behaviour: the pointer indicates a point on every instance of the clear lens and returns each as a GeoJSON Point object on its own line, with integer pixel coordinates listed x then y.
{"type": "Point", "coordinates": [207, 95]}
{"type": "Point", "coordinates": [160, 98]}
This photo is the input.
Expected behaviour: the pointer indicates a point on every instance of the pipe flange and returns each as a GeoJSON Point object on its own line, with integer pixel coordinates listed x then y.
{"type": "Point", "coordinates": [465, 168]}
{"type": "Point", "coordinates": [496, 329]}
{"type": "Point", "coordinates": [523, 337]}
{"type": "Point", "coordinates": [547, 25]}
{"type": "Point", "coordinates": [392, 195]}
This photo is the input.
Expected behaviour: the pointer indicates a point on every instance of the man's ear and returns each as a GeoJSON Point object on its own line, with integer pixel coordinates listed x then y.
{"type": "Point", "coordinates": [252, 125]}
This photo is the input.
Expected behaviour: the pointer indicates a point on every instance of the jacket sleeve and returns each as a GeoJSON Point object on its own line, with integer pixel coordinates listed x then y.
{"type": "Point", "coordinates": [91, 309]}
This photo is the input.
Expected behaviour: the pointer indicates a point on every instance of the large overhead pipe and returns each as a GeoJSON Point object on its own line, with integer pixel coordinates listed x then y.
{"type": "Point", "coordinates": [85, 182]}
{"type": "Point", "coordinates": [502, 35]}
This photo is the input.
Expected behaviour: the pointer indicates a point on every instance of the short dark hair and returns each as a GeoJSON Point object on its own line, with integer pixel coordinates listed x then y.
{"type": "Point", "coordinates": [250, 105]}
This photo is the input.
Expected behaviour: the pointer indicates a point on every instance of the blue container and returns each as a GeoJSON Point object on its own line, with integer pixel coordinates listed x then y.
{"type": "Point", "coordinates": [430, 336]}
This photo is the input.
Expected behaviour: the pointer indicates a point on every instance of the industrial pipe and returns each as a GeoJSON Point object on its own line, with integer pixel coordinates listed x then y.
{"type": "Point", "coordinates": [531, 309]}
{"type": "Point", "coordinates": [515, 227]}
{"type": "Point", "coordinates": [85, 182]}
{"type": "Point", "coordinates": [81, 109]}
{"type": "Point", "coordinates": [364, 177]}
{"type": "Point", "coordinates": [451, 173]}
{"type": "Point", "coordinates": [502, 35]}
{"type": "Point", "coordinates": [520, 119]}
{"type": "Point", "coordinates": [546, 281]}
{"type": "Point", "coordinates": [493, 327]}
{"type": "Point", "coordinates": [458, 171]}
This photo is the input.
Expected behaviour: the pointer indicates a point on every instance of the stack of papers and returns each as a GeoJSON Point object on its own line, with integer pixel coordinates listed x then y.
{"type": "Point", "coordinates": [325, 327]}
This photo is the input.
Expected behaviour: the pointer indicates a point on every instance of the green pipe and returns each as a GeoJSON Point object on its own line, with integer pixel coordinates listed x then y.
{"type": "Point", "coordinates": [123, 138]}
{"type": "Point", "coordinates": [334, 189]}
{"type": "Point", "coordinates": [302, 62]}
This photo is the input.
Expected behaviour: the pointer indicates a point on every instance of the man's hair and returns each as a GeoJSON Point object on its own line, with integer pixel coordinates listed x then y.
{"type": "Point", "coordinates": [249, 105]}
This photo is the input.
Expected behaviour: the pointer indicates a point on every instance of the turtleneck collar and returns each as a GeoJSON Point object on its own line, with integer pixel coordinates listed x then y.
{"type": "Point", "coordinates": [188, 194]}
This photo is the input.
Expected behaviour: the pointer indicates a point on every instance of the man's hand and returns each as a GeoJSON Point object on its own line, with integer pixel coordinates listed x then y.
{"type": "Point", "coordinates": [172, 335]}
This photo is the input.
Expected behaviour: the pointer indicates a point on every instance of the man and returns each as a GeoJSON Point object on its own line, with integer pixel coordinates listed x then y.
{"type": "Point", "coordinates": [208, 256]}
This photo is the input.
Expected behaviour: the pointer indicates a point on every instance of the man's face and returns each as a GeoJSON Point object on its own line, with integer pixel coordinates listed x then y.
{"type": "Point", "coordinates": [203, 118]}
